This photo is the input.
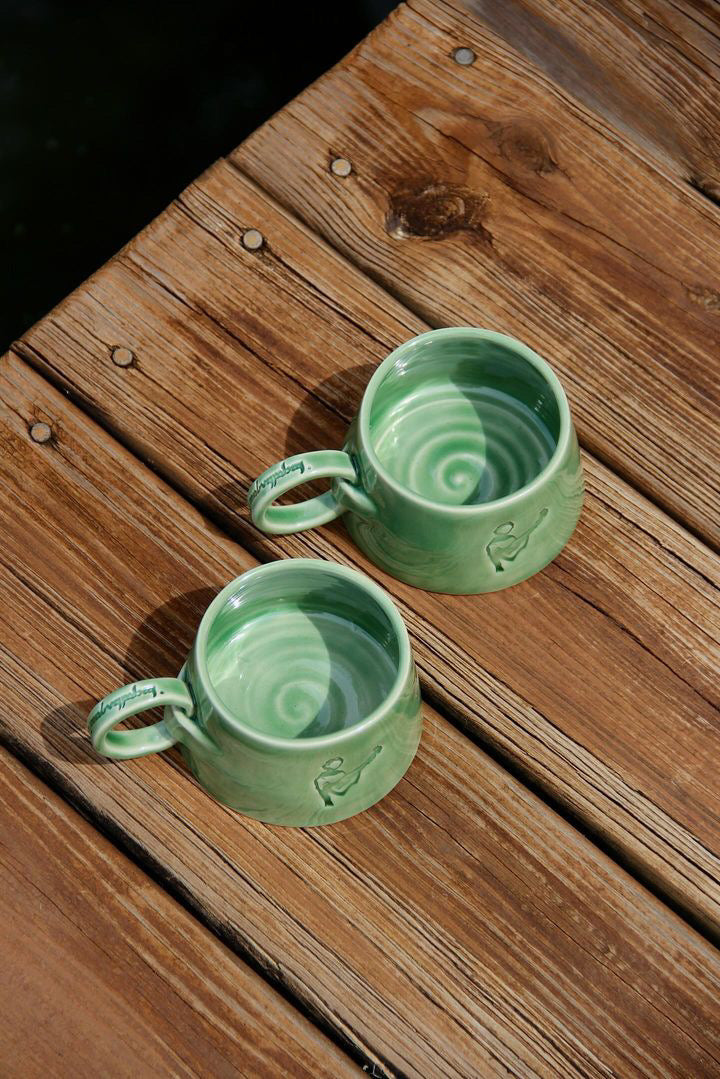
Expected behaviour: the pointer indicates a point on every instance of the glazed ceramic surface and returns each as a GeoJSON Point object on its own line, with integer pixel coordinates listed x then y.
{"type": "Point", "coordinates": [299, 703]}
{"type": "Point", "coordinates": [461, 472]}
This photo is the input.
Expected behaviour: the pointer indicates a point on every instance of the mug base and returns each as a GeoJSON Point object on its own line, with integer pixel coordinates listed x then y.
{"type": "Point", "coordinates": [434, 571]}
{"type": "Point", "coordinates": [224, 789]}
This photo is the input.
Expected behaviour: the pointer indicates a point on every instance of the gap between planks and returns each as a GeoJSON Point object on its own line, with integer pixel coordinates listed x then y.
{"type": "Point", "coordinates": [349, 1053]}
{"type": "Point", "coordinates": [489, 195]}
{"type": "Point", "coordinates": [265, 548]}
{"type": "Point", "coordinates": [533, 945]}
{"type": "Point", "coordinates": [153, 993]}
{"type": "Point", "coordinates": [185, 327]}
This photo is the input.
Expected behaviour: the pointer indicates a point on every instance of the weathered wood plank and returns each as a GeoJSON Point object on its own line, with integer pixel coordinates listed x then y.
{"type": "Point", "coordinates": [459, 927]}
{"type": "Point", "coordinates": [598, 677]}
{"type": "Point", "coordinates": [105, 974]}
{"type": "Point", "coordinates": [651, 68]}
{"type": "Point", "coordinates": [489, 195]}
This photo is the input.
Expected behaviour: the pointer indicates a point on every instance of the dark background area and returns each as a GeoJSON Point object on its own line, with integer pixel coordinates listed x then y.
{"type": "Point", "coordinates": [108, 110]}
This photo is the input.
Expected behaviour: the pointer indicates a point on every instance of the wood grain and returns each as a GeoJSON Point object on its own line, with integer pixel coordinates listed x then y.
{"type": "Point", "coordinates": [651, 68]}
{"type": "Point", "coordinates": [457, 928]}
{"type": "Point", "coordinates": [104, 974]}
{"type": "Point", "coordinates": [491, 195]}
{"type": "Point", "coordinates": [597, 678]}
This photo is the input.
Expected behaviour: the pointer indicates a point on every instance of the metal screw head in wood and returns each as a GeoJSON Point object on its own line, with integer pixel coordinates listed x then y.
{"type": "Point", "coordinates": [252, 240]}
{"type": "Point", "coordinates": [341, 166]}
{"type": "Point", "coordinates": [41, 432]}
{"type": "Point", "coordinates": [464, 56]}
{"type": "Point", "coordinates": [122, 357]}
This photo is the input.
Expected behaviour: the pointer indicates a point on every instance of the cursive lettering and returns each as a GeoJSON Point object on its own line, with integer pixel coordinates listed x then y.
{"type": "Point", "coordinates": [274, 478]}
{"type": "Point", "coordinates": [127, 698]}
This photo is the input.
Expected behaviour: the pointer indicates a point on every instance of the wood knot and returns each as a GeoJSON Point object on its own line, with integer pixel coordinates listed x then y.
{"type": "Point", "coordinates": [433, 211]}
{"type": "Point", "coordinates": [707, 186]}
{"type": "Point", "coordinates": [526, 145]}
{"type": "Point", "coordinates": [705, 297]}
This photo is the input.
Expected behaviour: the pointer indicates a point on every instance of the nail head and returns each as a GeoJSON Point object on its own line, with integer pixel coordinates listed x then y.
{"type": "Point", "coordinates": [464, 56]}
{"type": "Point", "coordinates": [252, 240]}
{"type": "Point", "coordinates": [41, 432]}
{"type": "Point", "coordinates": [341, 166]}
{"type": "Point", "coordinates": [122, 357]}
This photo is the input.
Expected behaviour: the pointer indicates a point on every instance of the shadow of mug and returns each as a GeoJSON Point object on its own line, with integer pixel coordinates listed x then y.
{"type": "Point", "coordinates": [159, 646]}
{"type": "Point", "coordinates": [161, 642]}
{"type": "Point", "coordinates": [324, 415]}
{"type": "Point", "coordinates": [322, 418]}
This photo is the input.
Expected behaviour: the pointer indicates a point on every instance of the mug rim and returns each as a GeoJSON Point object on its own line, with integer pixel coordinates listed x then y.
{"type": "Point", "coordinates": [479, 333]}
{"type": "Point", "coordinates": [236, 725]}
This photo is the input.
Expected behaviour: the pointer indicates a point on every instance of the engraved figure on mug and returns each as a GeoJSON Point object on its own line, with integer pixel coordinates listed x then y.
{"type": "Point", "coordinates": [334, 781]}
{"type": "Point", "coordinates": [506, 546]}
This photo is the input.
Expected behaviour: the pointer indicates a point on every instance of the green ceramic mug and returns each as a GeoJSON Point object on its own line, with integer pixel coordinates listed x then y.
{"type": "Point", "coordinates": [461, 472]}
{"type": "Point", "coordinates": [298, 704]}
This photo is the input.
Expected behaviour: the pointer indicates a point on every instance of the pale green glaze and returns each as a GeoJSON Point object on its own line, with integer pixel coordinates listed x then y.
{"type": "Point", "coordinates": [299, 703]}
{"type": "Point", "coordinates": [461, 472]}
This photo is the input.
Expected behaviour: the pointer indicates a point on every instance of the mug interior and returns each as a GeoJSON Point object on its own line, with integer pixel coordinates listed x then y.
{"type": "Point", "coordinates": [301, 652]}
{"type": "Point", "coordinates": [464, 419]}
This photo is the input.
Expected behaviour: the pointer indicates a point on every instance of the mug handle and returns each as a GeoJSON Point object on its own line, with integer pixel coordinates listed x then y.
{"type": "Point", "coordinates": [293, 472]}
{"type": "Point", "coordinates": [128, 701]}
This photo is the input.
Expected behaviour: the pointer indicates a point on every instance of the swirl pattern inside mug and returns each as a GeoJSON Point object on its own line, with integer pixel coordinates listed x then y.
{"type": "Point", "coordinates": [466, 425]}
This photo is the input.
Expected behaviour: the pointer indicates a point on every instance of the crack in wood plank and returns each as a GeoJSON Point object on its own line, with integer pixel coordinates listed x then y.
{"type": "Point", "coordinates": [506, 992]}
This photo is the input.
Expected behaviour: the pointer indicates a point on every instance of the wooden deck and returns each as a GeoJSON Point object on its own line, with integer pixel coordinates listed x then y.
{"type": "Point", "coordinates": [541, 894]}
